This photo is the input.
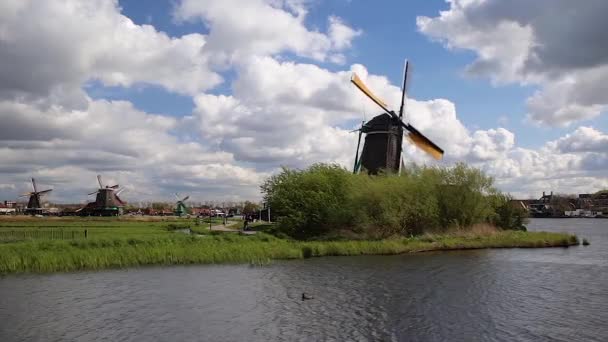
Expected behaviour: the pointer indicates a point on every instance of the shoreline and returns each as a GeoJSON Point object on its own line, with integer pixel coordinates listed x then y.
{"type": "Point", "coordinates": [50, 256]}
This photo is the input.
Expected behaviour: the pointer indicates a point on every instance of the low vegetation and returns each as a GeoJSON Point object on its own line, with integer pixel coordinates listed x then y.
{"type": "Point", "coordinates": [211, 248]}
{"type": "Point", "coordinates": [321, 211]}
{"type": "Point", "coordinates": [327, 200]}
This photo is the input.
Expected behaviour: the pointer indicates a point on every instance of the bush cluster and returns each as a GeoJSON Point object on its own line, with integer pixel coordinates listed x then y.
{"type": "Point", "coordinates": [327, 200]}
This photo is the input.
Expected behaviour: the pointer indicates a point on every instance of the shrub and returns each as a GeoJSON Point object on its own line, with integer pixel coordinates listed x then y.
{"type": "Point", "coordinates": [508, 214]}
{"type": "Point", "coordinates": [307, 203]}
{"type": "Point", "coordinates": [388, 205]}
{"type": "Point", "coordinates": [462, 192]}
{"type": "Point", "coordinates": [327, 200]}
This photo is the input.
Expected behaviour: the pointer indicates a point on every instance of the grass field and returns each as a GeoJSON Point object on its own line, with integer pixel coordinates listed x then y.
{"type": "Point", "coordinates": [17, 228]}
{"type": "Point", "coordinates": [127, 242]}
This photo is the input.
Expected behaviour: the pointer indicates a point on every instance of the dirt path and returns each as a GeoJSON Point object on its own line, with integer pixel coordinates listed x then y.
{"type": "Point", "coordinates": [231, 227]}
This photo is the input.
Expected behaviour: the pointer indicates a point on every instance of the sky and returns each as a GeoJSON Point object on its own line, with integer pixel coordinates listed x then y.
{"type": "Point", "coordinates": [208, 98]}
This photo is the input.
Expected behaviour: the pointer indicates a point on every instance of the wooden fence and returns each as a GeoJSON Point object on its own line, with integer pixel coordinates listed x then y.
{"type": "Point", "coordinates": [40, 234]}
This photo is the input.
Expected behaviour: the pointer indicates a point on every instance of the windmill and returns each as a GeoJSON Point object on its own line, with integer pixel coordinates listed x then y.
{"type": "Point", "coordinates": [383, 147]}
{"type": "Point", "coordinates": [180, 207]}
{"type": "Point", "coordinates": [107, 202]}
{"type": "Point", "coordinates": [34, 205]}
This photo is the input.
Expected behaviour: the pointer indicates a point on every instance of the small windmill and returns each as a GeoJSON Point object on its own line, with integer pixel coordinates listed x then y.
{"type": "Point", "coordinates": [383, 148]}
{"type": "Point", "coordinates": [180, 207]}
{"type": "Point", "coordinates": [107, 202]}
{"type": "Point", "coordinates": [34, 205]}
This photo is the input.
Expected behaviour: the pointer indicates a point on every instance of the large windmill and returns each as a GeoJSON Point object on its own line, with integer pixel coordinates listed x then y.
{"type": "Point", "coordinates": [34, 205]}
{"type": "Point", "coordinates": [107, 202]}
{"type": "Point", "coordinates": [383, 147]}
{"type": "Point", "coordinates": [180, 207]}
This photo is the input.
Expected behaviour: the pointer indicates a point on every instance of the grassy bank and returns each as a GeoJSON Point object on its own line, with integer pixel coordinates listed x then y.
{"type": "Point", "coordinates": [176, 248]}
{"type": "Point", "coordinates": [26, 227]}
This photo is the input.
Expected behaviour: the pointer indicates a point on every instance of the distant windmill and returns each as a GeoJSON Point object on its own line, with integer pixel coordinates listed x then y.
{"type": "Point", "coordinates": [180, 207]}
{"type": "Point", "coordinates": [107, 202]}
{"type": "Point", "coordinates": [34, 205]}
{"type": "Point", "coordinates": [384, 134]}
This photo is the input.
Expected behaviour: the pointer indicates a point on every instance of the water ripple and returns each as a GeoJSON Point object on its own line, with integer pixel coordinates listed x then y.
{"type": "Point", "coordinates": [484, 295]}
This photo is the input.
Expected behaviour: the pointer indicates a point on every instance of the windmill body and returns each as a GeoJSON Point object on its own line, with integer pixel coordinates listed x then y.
{"type": "Point", "coordinates": [34, 204]}
{"type": "Point", "coordinates": [382, 147]}
{"type": "Point", "coordinates": [107, 202]}
{"type": "Point", "coordinates": [180, 207]}
{"type": "Point", "coordinates": [382, 150]}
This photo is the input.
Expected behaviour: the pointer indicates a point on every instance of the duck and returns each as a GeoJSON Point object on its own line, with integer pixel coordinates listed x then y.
{"type": "Point", "coordinates": [305, 297]}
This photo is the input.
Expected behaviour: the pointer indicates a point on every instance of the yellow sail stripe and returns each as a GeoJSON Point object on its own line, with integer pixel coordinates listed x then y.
{"type": "Point", "coordinates": [423, 143]}
{"type": "Point", "coordinates": [357, 82]}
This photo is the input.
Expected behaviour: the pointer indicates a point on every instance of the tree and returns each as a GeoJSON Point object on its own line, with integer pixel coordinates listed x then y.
{"type": "Point", "coordinates": [250, 207]}
{"type": "Point", "coordinates": [309, 202]}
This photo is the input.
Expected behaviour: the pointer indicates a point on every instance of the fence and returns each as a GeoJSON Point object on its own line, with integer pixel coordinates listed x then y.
{"type": "Point", "coordinates": [39, 234]}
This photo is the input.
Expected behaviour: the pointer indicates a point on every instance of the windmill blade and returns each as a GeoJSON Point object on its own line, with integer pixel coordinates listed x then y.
{"type": "Point", "coordinates": [27, 194]}
{"type": "Point", "coordinates": [34, 185]}
{"type": "Point", "coordinates": [93, 193]}
{"type": "Point", "coordinates": [415, 136]}
{"type": "Point", "coordinates": [424, 143]}
{"type": "Point", "coordinates": [185, 199]}
{"type": "Point", "coordinates": [176, 196]}
{"type": "Point", "coordinates": [99, 181]}
{"type": "Point", "coordinates": [45, 191]}
{"type": "Point", "coordinates": [405, 86]}
{"type": "Point", "coordinates": [359, 84]}
{"type": "Point", "coordinates": [119, 200]}
{"type": "Point", "coordinates": [119, 191]}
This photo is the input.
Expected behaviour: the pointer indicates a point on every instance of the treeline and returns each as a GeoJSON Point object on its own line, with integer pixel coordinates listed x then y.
{"type": "Point", "coordinates": [326, 200]}
{"type": "Point", "coordinates": [246, 206]}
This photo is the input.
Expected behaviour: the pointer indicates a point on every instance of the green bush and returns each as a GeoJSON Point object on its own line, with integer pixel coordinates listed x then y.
{"type": "Point", "coordinates": [327, 200]}
{"type": "Point", "coordinates": [508, 214]}
{"type": "Point", "coordinates": [389, 205]}
{"type": "Point", "coordinates": [309, 202]}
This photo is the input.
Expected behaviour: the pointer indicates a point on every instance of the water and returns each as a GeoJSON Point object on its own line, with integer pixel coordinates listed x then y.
{"type": "Point", "coordinates": [557, 294]}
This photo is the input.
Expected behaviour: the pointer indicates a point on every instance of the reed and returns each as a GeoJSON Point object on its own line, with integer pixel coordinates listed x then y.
{"type": "Point", "coordinates": [43, 256]}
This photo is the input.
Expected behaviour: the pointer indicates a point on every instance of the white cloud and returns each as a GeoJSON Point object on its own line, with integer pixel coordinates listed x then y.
{"type": "Point", "coordinates": [558, 45]}
{"type": "Point", "coordinates": [583, 139]}
{"type": "Point", "coordinates": [491, 144]}
{"type": "Point", "coordinates": [264, 27]}
{"type": "Point", "coordinates": [279, 112]}
{"type": "Point", "coordinates": [341, 35]}
{"type": "Point", "coordinates": [69, 147]}
{"type": "Point", "coordinates": [49, 49]}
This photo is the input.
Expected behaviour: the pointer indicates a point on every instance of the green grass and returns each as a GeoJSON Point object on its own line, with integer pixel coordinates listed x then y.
{"type": "Point", "coordinates": [28, 228]}
{"type": "Point", "coordinates": [124, 243]}
{"type": "Point", "coordinates": [97, 227]}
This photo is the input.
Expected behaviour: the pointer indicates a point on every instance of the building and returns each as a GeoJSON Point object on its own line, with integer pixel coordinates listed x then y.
{"type": "Point", "coordinates": [7, 210]}
{"type": "Point", "coordinates": [584, 205]}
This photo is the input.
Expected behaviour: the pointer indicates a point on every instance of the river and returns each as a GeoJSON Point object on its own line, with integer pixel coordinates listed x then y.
{"type": "Point", "coordinates": [554, 294]}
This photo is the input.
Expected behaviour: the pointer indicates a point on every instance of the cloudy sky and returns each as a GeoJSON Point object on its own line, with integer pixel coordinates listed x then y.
{"type": "Point", "coordinates": [209, 97]}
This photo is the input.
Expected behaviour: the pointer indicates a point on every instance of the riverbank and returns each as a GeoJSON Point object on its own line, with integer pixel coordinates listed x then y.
{"type": "Point", "coordinates": [43, 256]}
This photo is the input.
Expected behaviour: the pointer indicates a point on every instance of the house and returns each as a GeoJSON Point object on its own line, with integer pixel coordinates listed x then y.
{"type": "Point", "coordinates": [6, 210]}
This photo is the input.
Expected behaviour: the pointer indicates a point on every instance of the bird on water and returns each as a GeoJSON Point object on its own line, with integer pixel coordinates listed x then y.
{"type": "Point", "coordinates": [305, 297]}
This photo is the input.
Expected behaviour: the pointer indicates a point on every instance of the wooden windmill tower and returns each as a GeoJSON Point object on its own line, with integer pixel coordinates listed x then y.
{"type": "Point", "coordinates": [107, 202]}
{"type": "Point", "coordinates": [34, 205]}
{"type": "Point", "coordinates": [383, 149]}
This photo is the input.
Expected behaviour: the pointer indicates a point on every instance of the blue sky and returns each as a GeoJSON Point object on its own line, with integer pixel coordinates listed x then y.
{"type": "Point", "coordinates": [135, 87]}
